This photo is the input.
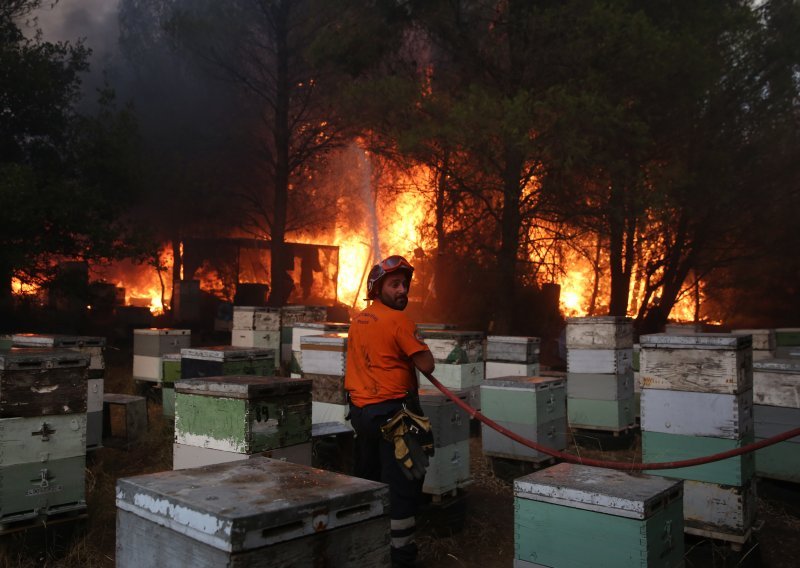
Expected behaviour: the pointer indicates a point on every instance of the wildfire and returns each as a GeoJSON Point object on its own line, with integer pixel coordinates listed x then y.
{"type": "Point", "coordinates": [20, 288]}
{"type": "Point", "coordinates": [141, 282]}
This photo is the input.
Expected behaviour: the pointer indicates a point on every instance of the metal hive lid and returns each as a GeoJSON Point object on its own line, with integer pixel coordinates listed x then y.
{"type": "Point", "coordinates": [162, 331]}
{"type": "Point", "coordinates": [226, 353]}
{"type": "Point", "coordinates": [696, 341]}
{"type": "Point", "coordinates": [617, 493]}
{"type": "Point", "coordinates": [515, 339]}
{"type": "Point", "coordinates": [251, 503]}
{"type": "Point", "coordinates": [243, 386]}
{"type": "Point", "coordinates": [56, 340]}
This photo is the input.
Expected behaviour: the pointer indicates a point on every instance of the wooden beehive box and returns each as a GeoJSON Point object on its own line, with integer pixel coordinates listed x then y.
{"type": "Point", "coordinates": [697, 413]}
{"type": "Point", "coordinates": [600, 386]}
{"type": "Point", "coordinates": [40, 489]}
{"type": "Point", "coordinates": [40, 382]}
{"type": "Point", "coordinates": [455, 376]}
{"type": "Point", "coordinates": [291, 315]}
{"type": "Point", "coordinates": [186, 457]}
{"type": "Point", "coordinates": [703, 362]}
{"type": "Point", "coordinates": [573, 515]}
{"type": "Point", "coordinates": [495, 369]}
{"type": "Point", "coordinates": [719, 511]}
{"type": "Point", "coordinates": [149, 345]}
{"type": "Point", "coordinates": [738, 470]}
{"type": "Point", "coordinates": [512, 349]}
{"type": "Point", "coordinates": [763, 339]}
{"type": "Point", "coordinates": [776, 382]}
{"type": "Point", "coordinates": [255, 338]}
{"type": "Point", "coordinates": [94, 412]}
{"type": "Point", "coordinates": [251, 513]}
{"type": "Point", "coordinates": [455, 347]}
{"type": "Point", "coordinates": [450, 423]}
{"type": "Point", "coordinates": [782, 460]}
{"type": "Point", "coordinates": [324, 354]}
{"type": "Point", "coordinates": [327, 388]}
{"type": "Point", "coordinates": [91, 346]}
{"type": "Point", "coordinates": [226, 360]}
{"type": "Point", "coordinates": [448, 469]}
{"type": "Point", "coordinates": [242, 414]}
{"type": "Point", "coordinates": [303, 329]}
{"type": "Point", "coordinates": [255, 318]}
{"type": "Point", "coordinates": [170, 374]}
{"type": "Point", "coordinates": [607, 415]}
{"type": "Point", "coordinates": [606, 332]}
{"type": "Point", "coordinates": [605, 361]}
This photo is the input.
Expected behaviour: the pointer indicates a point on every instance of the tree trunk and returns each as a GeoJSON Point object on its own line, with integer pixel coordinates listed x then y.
{"type": "Point", "coordinates": [620, 251]}
{"type": "Point", "coordinates": [509, 243]}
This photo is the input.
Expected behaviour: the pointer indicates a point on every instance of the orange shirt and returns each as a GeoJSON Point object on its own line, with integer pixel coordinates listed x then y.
{"type": "Point", "coordinates": [380, 344]}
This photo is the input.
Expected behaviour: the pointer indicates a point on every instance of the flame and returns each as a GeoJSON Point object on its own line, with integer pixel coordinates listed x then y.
{"type": "Point", "coordinates": [140, 281]}
{"type": "Point", "coordinates": [20, 288]}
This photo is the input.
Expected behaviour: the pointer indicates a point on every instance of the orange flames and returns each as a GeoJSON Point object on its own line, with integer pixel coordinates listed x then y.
{"type": "Point", "coordinates": [142, 285]}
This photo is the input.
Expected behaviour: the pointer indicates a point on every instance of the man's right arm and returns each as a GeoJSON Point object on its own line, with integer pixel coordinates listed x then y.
{"type": "Point", "coordinates": [423, 360]}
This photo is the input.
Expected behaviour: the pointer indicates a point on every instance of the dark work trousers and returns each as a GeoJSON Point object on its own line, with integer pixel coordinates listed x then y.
{"type": "Point", "coordinates": [375, 460]}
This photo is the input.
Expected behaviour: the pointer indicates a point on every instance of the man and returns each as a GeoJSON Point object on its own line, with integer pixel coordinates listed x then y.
{"type": "Point", "coordinates": [382, 351]}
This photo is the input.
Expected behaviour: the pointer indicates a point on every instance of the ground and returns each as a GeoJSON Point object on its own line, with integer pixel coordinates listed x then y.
{"type": "Point", "coordinates": [472, 529]}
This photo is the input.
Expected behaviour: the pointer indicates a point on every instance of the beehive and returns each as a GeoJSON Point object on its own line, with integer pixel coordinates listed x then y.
{"type": "Point", "coordinates": [450, 423]}
{"type": "Point", "coordinates": [324, 354]}
{"type": "Point", "coordinates": [763, 342]}
{"type": "Point", "coordinates": [697, 413]}
{"type": "Point", "coordinates": [149, 345]}
{"type": "Point", "coordinates": [573, 515]}
{"type": "Point", "coordinates": [302, 329]}
{"type": "Point", "coordinates": [448, 469]}
{"type": "Point", "coordinates": [41, 382]}
{"type": "Point", "coordinates": [605, 333]}
{"type": "Point", "coordinates": [710, 509]}
{"type": "Point", "coordinates": [455, 376]}
{"type": "Point", "coordinates": [171, 373]}
{"type": "Point", "coordinates": [600, 386]}
{"type": "Point", "coordinates": [242, 414]}
{"type": "Point", "coordinates": [495, 369]}
{"type": "Point", "coordinates": [89, 345]}
{"type": "Point", "coordinates": [254, 318]}
{"type": "Point", "coordinates": [185, 456]}
{"type": "Point", "coordinates": [787, 341]}
{"type": "Point", "coordinates": [512, 349]}
{"type": "Point", "coordinates": [532, 407]}
{"type": "Point", "coordinates": [454, 347]}
{"type": "Point", "coordinates": [226, 360]}
{"type": "Point", "coordinates": [249, 513]}
{"type": "Point", "coordinates": [291, 315]}
{"type": "Point", "coordinates": [776, 383]}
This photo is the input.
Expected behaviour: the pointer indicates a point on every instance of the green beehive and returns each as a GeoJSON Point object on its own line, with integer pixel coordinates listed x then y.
{"type": "Point", "coordinates": [738, 470]}
{"type": "Point", "coordinates": [226, 360]}
{"type": "Point", "coordinates": [171, 373]}
{"type": "Point", "coordinates": [611, 415]}
{"type": "Point", "coordinates": [243, 414]}
{"type": "Point", "coordinates": [574, 516]}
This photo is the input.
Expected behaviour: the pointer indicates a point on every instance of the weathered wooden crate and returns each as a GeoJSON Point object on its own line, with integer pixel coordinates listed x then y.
{"type": "Point", "coordinates": [41, 488]}
{"type": "Point", "coordinates": [155, 342]}
{"type": "Point", "coordinates": [226, 360]}
{"type": "Point", "coordinates": [448, 469]}
{"type": "Point", "coordinates": [552, 434]}
{"type": "Point", "coordinates": [512, 349]}
{"type": "Point", "coordinates": [450, 346]}
{"type": "Point", "coordinates": [450, 423]}
{"type": "Point", "coordinates": [251, 513]}
{"type": "Point", "coordinates": [606, 332]}
{"type": "Point", "coordinates": [147, 368]}
{"type": "Point", "coordinates": [738, 470]}
{"type": "Point", "coordinates": [324, 354]}
{"type": "Point", "coordinates": [776, 382]}
{"type": "Point", "coordinates": [89, 345]}
{"type": "Point", "coordinates": [455, 376]}
{"type": "Point", "coordinates": [124, 419]}
{"type": "Point", "coordinates": [763, 339]}
{"type": "Point", "coordinates": [185, 456]}
{"type": "Point", "coordinates": [780, 461]}
{"type": "Point", "coordinates": [243, 414]}
{"type": "Point", "coordinates": [526, 400]}
{"type": "Point", "coordinates": [697, 413]}
{"type": "Point", "coordinates": [704, 362]}
{"type": "Point", "coordinates": [607, 415]}
{"type": "Point", "coordinates": [324, 412]}
{"type": "Point", "coordinates": [600, 386]}
{"type": "Point", "coordinates": [41, 382]}
{"type": "Point", "coordinates": [573, 515]}
{"type": "Point", "coordinates": [256, 318]}
{"type": "Point", "coordinates": [39, 439]}
{"type": "Point", "coordinates": [495, 369]}
{"type": "Point", "coordinates": [773, 420]}
{"type": "Point", "coordinates": [327, 388]}
{"type": "Point", "coordinates": [616, 361]}
{"type": "Point", "coordinates": [260, 339]}
{"type": "Point", "coordinates": [719, 511]}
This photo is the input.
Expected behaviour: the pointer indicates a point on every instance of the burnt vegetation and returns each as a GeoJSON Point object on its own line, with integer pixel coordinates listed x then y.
{"type": "Point", "coordinates": [655, 140]}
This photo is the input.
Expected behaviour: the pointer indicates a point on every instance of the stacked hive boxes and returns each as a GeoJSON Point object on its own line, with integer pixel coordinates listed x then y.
{"type": "Point", "coordinates": [697, 400]}
{"type": "Point", "coordinates": [225, 360]}
{"type": "Point", "coordinates": [763, 342]}
{"type": "Point", "coordinates": [787, 342]}
{"type": "Point", "coordinates": [574, 515]}
{"type": "Point", "coordinates": [448, 469]}
{"type": "Point", "coordinates": [150, 345]}
{"type": "Point", "coordinates": [301, 329]}
{"type": "Point", "coordinates": [93, 347]}
{"type": "Point", "coordinates": [459, 361]}
{"type": "Point", "coordinates": [290, 315]}
{"type": "Point", "coordinates": [532, 407]}
{"type": "Point", "coordinates": [600, 373]}
{"type": "Point", "coordinates": [258, 512]}
{"type": "Point", "coordinates": [324, 362]}
{"type": "Point", "coordinates": [776, 393]}
{"type": "Point", "coordinates": [637, 381]}
{"type": "Point", "coordinates": [506, 356]}
{"type": "Point", "coordinates": [222, 419]}
{"type": "Point", "coordinates": [257, 327]}
{"type": "Point", "coordinates": [43, 399]}
{"type": "Point", "coordinates": [170, 373]}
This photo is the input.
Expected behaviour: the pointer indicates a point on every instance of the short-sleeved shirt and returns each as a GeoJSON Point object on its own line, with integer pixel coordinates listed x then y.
{"type": "Point", "coordinates": [380, 344]}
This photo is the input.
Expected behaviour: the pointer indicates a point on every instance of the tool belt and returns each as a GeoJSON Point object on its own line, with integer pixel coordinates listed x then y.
{"type": "Point", "coordinates": [412, 438]}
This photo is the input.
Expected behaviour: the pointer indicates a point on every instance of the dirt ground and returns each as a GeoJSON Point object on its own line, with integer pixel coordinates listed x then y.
{"type": "Point", "coordinates": [472, 529]}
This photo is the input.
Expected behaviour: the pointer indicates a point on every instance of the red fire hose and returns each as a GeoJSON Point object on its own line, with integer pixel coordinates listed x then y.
{"type": "Point", "coordinates": [627, 466]}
